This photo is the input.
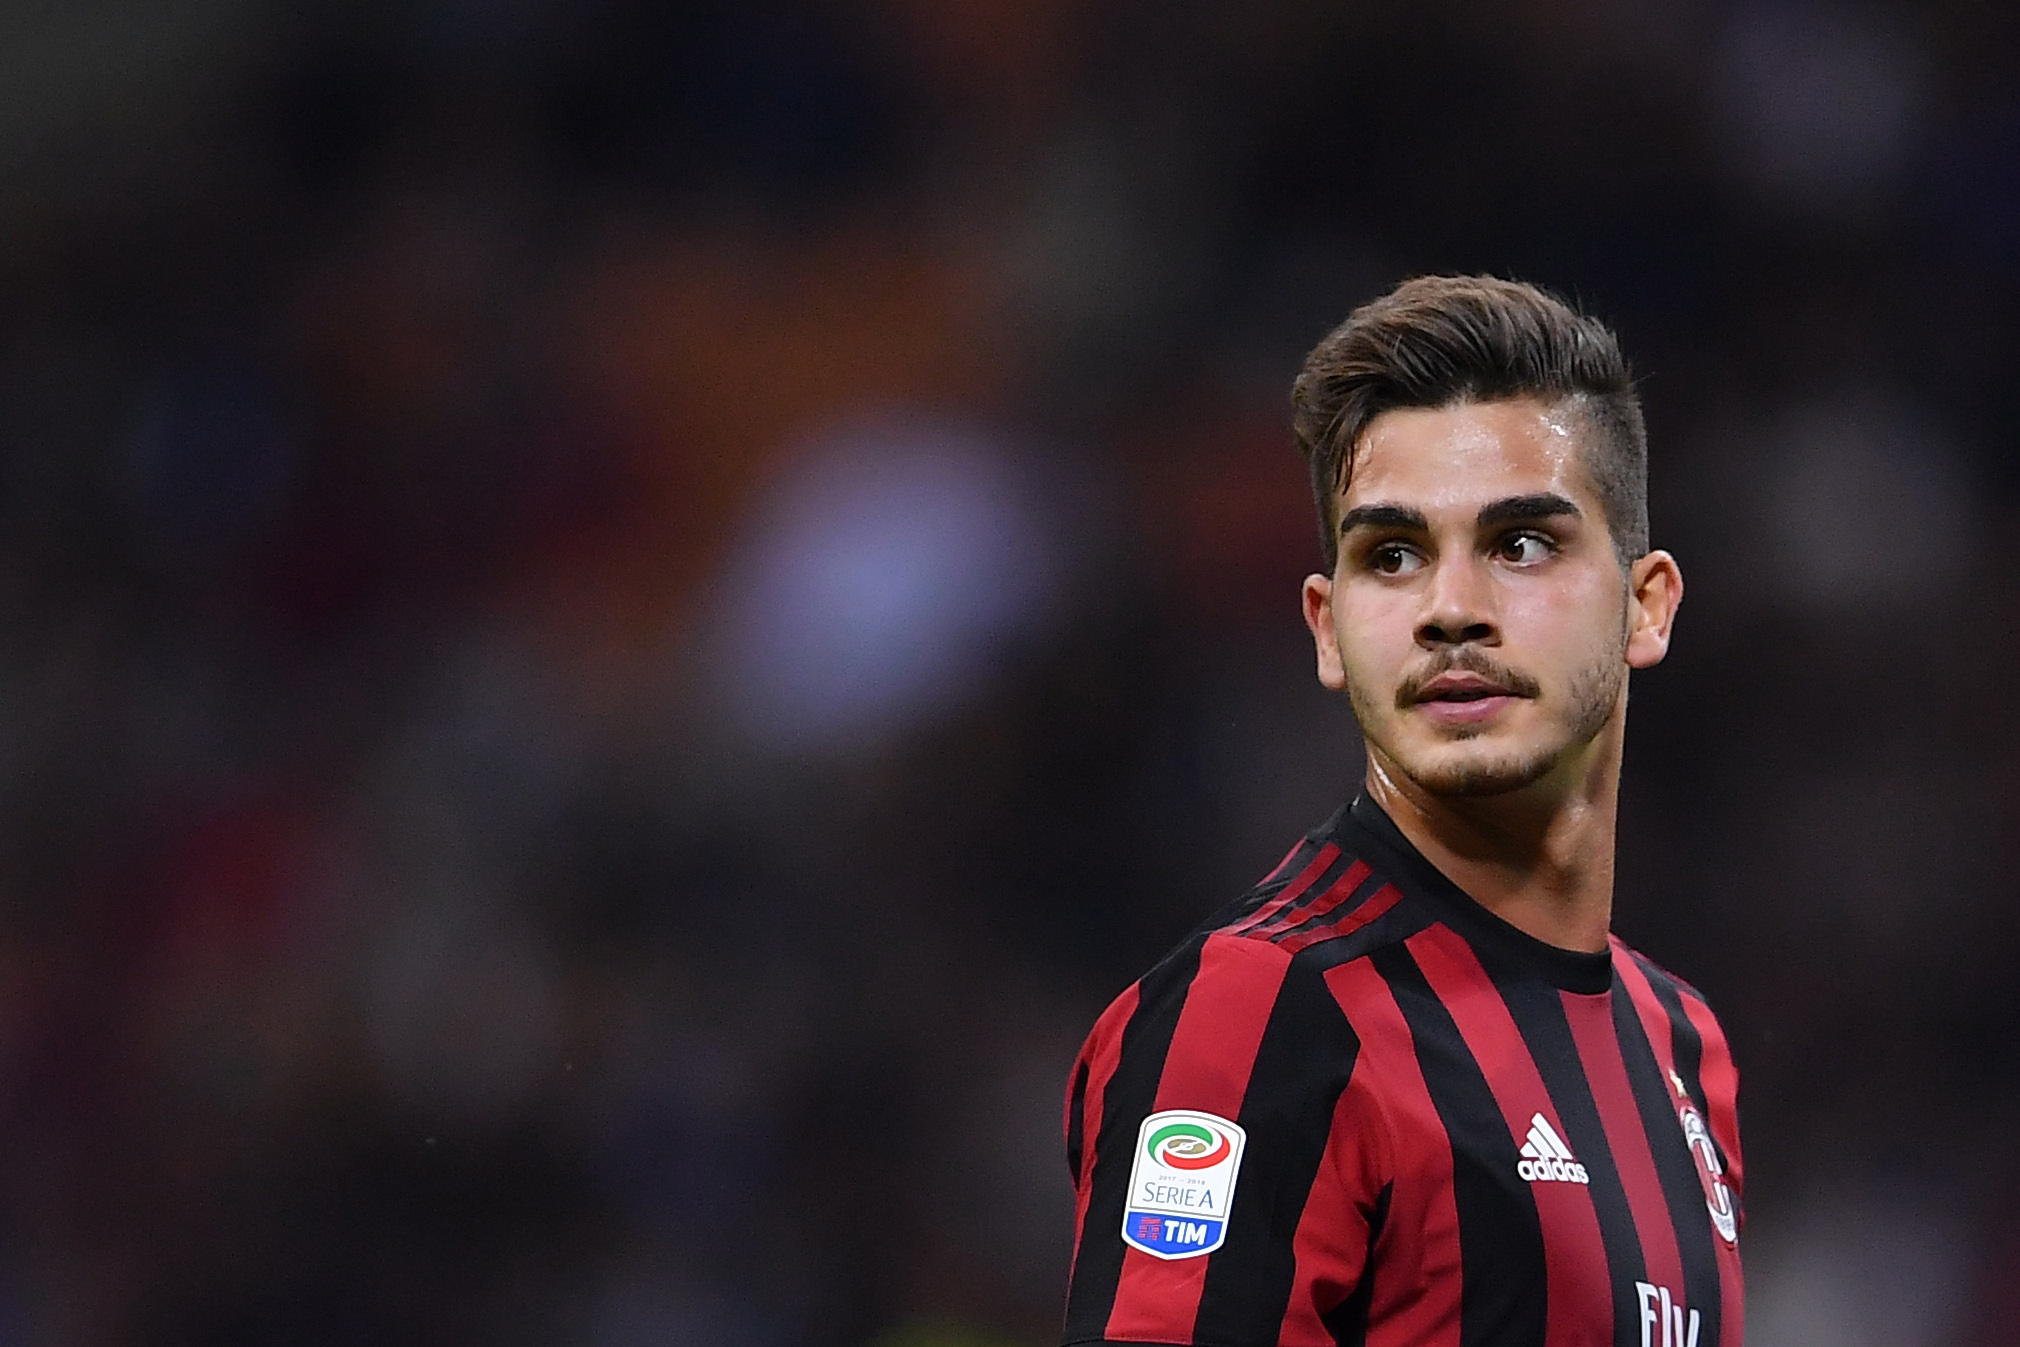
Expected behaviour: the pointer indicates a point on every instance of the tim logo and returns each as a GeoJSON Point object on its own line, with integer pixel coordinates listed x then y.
{"type": "Point", "coordinates": [1169, 1234]}
{"type": "Point", "coordinates": [1663, 1320]}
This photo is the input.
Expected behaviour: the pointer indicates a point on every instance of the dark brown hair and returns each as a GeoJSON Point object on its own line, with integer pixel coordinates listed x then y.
{"type": "Point", "coordinates": [1439, 341]}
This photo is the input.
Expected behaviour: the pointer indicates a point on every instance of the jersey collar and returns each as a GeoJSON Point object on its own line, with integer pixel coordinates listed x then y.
{"type": "Point", "coordinates": [1568, 969]}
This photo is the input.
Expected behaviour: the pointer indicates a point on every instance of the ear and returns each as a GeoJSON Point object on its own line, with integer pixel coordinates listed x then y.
{"type": "Point", "coordinates": [1318, 602]}
{"type": "Point", "coordinates": [1654, 592]}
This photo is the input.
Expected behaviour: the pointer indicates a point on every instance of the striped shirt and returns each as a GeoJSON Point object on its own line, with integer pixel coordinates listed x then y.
{"type": "Point", "coordinates": [1357, 1107]}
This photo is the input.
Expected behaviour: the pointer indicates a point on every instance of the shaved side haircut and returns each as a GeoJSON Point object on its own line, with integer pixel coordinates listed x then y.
{"type": "Point", "coordinates": [1443, 341]}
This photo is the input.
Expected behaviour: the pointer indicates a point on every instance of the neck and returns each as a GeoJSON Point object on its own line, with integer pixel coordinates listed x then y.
{"type": "Point", "coordinates": [1539, 858]}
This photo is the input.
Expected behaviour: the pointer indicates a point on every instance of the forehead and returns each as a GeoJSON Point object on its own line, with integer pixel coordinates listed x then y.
{"type": "Point", "coordinates": [1463, 456]}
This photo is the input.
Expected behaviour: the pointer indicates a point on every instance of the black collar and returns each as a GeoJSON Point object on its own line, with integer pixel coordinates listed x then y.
{"type": "Point", "coordinates": [1365, 827]}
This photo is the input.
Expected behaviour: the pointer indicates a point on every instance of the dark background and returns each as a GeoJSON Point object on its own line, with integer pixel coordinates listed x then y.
{"type": "Point", "coordinates": [618, 620]}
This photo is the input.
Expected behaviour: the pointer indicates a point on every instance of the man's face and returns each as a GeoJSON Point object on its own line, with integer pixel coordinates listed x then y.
{"type": "Point", "coordinates": [1478, 618]}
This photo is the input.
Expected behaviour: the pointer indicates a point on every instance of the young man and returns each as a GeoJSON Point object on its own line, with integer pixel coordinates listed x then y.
{"type": "Point", "coordinates": [1408, 1092]}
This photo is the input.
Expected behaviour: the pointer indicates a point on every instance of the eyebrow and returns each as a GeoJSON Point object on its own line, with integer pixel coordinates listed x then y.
{"type": "Point", "coordinates": [1541, 505]}
{"type": "Point", "coordinates": [1383, 517]}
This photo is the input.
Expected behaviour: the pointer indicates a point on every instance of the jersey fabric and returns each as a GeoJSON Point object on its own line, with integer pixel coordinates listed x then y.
{"type": "Point", "coordinates": [1410, 1125]}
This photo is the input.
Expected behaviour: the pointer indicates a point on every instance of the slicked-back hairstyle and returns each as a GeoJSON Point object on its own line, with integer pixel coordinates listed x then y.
{"type": "Point", "coordinates": [1442, 341]}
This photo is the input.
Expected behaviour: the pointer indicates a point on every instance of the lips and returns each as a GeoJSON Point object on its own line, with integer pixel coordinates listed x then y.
{"type": "Point", "coordinates": [1466, 700]}
{"type": "Point", "coordinates": [1469, 691]}
{"type": "Point", "coordinates": [1463, 687]}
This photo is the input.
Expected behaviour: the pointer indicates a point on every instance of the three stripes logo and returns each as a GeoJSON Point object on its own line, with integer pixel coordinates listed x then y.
{"type": "Point", "coordinates": [1545, 1157]}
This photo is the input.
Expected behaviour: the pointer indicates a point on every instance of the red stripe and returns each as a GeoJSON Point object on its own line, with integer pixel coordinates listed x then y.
{"type": "Point", "coordinates": [1102, 1053]}
{"type": "Point", "coordinates": [1719, 1079]}
{"type": "Point", "coordinates": [1654, 1019]}
{"type": "Point", "coordinates": [1292, 892]}
{"type": "Point", "coordinates": [1284, 864]}
{"type": "Point", "coordinates": [1574, 1253]}
{"type": "Point", "coordinates": [1336, 893]}
{"type": "Point", "coordinates": [1598, 1046]}
{"type": "Point", "coordinates": [1422, 1229]}
{"type": "Point", "coordinates": [1385, 898]}
{"type": "Point", "coordinates": [1213, 1048]}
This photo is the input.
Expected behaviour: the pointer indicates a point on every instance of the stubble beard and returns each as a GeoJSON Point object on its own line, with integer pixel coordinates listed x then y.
{"type": "Point", "coordinates": [1591, 697]}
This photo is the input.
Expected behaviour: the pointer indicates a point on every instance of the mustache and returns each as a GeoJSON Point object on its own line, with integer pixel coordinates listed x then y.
{"type": "Point", "coordinates": [1467, 659]}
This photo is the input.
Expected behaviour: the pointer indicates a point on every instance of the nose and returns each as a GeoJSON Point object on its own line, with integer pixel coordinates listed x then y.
{"type": "Point", "coordinates": [1458, 607]}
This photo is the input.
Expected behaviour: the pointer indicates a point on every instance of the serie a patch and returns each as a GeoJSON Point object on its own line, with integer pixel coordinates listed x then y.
{"type": "Point", "coordinates": [1182, 1183]}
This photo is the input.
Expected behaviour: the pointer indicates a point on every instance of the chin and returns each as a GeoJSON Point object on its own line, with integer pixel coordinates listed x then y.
{"type": "Point", "coordinates": [1472, 775]}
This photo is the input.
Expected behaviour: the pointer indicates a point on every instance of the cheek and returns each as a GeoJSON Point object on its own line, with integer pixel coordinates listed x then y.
{"type": "Point", "coordinates": [1564, 625]}
{"type": "Point", "coordinates": [1376, 633]}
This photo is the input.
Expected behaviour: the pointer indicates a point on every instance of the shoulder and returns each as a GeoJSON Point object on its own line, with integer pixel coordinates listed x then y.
{"type": "Point", "coordinates": [1265, 956]}
{"type": "Point", "coordinates": [1324, 892]}
{"type": "Point", "coordinates": [1675, 994]}
{"type": "Point", "coordinates": [1683, 1028]}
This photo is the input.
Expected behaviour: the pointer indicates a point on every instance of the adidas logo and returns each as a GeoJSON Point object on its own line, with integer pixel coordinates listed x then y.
{"type": "Point", "coordinates": [1545, 1157]}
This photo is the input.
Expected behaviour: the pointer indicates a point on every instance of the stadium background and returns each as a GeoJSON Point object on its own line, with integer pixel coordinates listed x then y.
{"type": "Point", "coordinates": [619, 619]}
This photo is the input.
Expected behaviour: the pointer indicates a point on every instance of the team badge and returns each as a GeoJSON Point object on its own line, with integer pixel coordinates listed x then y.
{"type": "Point", "coordinates": [1717, 1197]}
{"type": "Point", "coordinates": [1182, 1183]}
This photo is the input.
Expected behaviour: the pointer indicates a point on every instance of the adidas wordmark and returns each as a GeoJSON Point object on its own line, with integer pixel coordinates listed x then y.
{"type": "Point", "coordinates": [1545, 1157]}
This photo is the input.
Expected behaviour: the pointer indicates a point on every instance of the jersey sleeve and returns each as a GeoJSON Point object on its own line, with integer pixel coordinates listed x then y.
{"type": "Point", "coordinates": [1226, 1178]}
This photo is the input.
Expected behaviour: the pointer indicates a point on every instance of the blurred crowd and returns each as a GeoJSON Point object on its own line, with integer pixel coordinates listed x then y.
{"type": "Point", "coordinates": [621, 618]}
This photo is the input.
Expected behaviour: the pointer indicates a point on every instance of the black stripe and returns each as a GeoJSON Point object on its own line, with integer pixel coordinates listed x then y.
{"type": "Point", "coordinates": [1393, 927]}
{"type": "Point", "coordinates": [1502, 1294]}
{"type": "Point", "coordinates": [1076, 1121]}
{"type": "Point", "coordinates": [1681, 1188]}
{"type": "Point", "coordinates": [1685, 1045]}
{"type": "Point", "coordinates": [1307, 1053]}
{"type": "Point", "coordinates": [1128, 1100]}
{"type": "Point", "coordinates": [1538, 1011]}
{"type": "Point", "coordinates": [1366, 889]}
{"type": "Point", "coordinates": [1347, 1322]}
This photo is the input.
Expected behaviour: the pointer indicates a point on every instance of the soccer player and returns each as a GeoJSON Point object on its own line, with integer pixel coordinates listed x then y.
{"type": "Point", "coordinates": [1409, 1091]}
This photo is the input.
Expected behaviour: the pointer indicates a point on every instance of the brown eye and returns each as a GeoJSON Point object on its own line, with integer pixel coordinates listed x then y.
{"type": "Point", "coordinates": [1526, 549]}
{"type": "Point", "coordinates": [1394, 559]}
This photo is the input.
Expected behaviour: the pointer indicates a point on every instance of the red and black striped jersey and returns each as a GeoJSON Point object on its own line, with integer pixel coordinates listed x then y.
{"type": "Point", "coordinates": [1357, 1107]}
